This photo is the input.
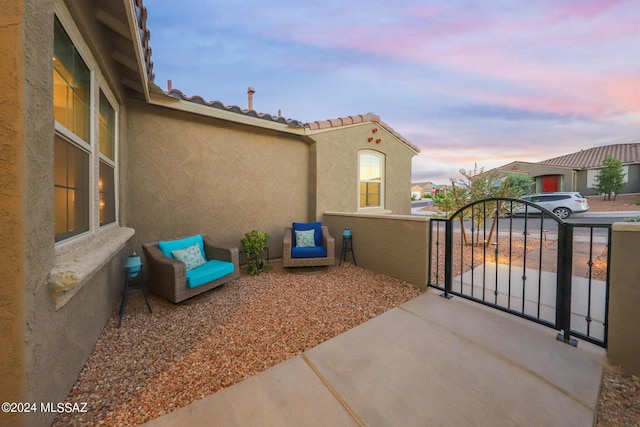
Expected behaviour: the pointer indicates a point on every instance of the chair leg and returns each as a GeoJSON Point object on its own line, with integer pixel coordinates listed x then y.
{"type": "Point", "coordinates": [144, 292]}
{"type": "Point", "coordinates": [123, 303]}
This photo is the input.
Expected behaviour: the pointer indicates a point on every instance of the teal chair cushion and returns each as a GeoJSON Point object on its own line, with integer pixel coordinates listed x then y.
{"type": "Point", "coordinates": [208, 272]}
{"type": "Point", "coordinates": [169, 246]}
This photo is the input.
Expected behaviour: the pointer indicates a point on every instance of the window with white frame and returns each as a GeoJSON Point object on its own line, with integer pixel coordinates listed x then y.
{"type": "Point", "coordinates": [371, 179]}
{"type": "Point", "coordinates": [85, 138]}
{"type": "Point", "coordinates": [106, 181]}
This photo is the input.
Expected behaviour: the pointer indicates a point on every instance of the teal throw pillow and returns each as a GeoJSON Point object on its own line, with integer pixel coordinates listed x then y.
{"type": "Point", "coordinates": [305, 239]}
{"type": "Point", "coordinates": [191, 256]}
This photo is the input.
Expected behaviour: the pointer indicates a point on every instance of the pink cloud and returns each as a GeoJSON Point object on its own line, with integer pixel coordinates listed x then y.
{"type": "Point", "coordinates": [588, 9]}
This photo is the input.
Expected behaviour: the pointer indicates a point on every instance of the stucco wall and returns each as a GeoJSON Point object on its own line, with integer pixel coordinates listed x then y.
{"type": "Point", "coordinates": [624, 297]}
{"type": "Point", "coordinates": [337, 164]}
{"type": "Point", "coordinates": [53, 344]}
{"type": "Point", "coordinates": [581, 184]}
{"type": "Point", "coordinates": [536, 171]}
{"type": "Point", "coordinates": [192, 174]}
{"type": "Point", "coordinates": [633, 182]}
{"type": "Point", "coordinates": [633, 179]}
{"type": "Point", "coordinates": [395, 245]}
{"type": "Point", "coordinates": [12, 244]}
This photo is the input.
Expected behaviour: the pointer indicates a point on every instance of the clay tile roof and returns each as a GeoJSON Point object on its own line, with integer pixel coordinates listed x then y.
{"type": "Point", "coordinates": [369, 117]}
{"type": "Point", "coordinates": [176, 93]}
{"type": "Point", "coordinates": [145, 35]}
{"type": "Point", "coordinates": [594, 157]}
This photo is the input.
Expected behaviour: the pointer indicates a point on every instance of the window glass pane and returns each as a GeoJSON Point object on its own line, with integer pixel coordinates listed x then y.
{"type": "Point", "coordinates": [107, 124]}
{"type": "Point", "coordinates": [107, 194]}
{"type": "Point", "coordinates": [72, 85]}
{"type": "Point", "coordinates": [373, 194]}
{"type": "Point", "coordinates": [71, 194]}
{"type": "Point", "coordinates": [371, 176]}
{"type": "Point", "coordinates": [369, 194]}
{"type": "Point", "coordinates": [370, 167]}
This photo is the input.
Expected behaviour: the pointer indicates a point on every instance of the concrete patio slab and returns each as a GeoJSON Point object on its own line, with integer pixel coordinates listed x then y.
{"type": "Point", "coordinates": [289, 394]}
{"type": "Point", "coordinates": [431, 361]}
{"type": "Point", "coordinates": [528, 345]}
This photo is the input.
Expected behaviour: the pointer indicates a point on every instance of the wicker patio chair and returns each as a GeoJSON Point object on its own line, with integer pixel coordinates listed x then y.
{"type": "Point", "coordinates": [328, 243]}
{"type": "Point", "coordinates": [167, 277]}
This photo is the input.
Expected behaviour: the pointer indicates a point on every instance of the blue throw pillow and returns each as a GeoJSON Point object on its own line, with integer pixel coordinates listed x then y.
{"type": "Point", "coordinates": [191, 256]}
{"type": "Point", "coordinates": [304, 239]}
{"type": "Point", "coordinates": [303, 226]}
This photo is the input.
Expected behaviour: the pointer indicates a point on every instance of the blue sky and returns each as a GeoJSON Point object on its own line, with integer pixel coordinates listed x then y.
{"type": "Point", "coordinates": [469, 82]}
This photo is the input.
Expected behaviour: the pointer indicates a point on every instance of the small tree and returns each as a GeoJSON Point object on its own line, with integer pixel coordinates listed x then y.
{"type": "Point", "coordinates": [610, 178]}
{"type": "Point", "coordinates": [444, 201]}
{"type": "Point", "coordinates": [520, 184]}
{"type": "Point", "coordinates": [479, 185]}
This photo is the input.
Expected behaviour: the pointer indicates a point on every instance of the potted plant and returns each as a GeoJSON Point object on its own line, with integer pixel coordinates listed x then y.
{"type": "Point", "coordinates": [253, 244]}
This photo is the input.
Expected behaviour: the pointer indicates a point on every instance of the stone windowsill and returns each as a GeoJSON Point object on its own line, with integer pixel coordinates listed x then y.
{"type": "Point", "coordinates": [78, 261]}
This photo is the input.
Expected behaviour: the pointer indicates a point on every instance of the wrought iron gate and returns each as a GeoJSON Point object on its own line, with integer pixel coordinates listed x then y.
{"type": "Point", "coordinates": [522, 259]}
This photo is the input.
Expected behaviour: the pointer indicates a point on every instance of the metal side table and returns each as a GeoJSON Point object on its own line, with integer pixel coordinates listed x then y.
{"type": "Point", "coordinates": [134, 283]}
{"type": "Point", "coordinates": [347, 246]}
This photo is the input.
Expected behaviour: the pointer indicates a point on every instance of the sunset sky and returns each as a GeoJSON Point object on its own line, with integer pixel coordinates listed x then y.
{"type": "Point", "coordinates": [484, 82]}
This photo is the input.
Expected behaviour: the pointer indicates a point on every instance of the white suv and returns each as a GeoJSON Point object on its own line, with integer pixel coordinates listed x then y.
{"type": "Point", "coordinates": [561, 204]}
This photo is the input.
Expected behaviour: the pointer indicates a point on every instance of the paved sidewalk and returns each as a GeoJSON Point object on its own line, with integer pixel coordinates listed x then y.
{"type": "Point", "coordinates": [430, 361]}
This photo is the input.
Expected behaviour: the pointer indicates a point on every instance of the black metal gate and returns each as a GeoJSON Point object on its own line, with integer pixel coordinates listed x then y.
{"type": "Point", "coordinates": [522, 259]}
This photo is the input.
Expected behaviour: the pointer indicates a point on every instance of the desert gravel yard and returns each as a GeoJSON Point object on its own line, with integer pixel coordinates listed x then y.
{"type": "Point", "coordinates": [157, 363]}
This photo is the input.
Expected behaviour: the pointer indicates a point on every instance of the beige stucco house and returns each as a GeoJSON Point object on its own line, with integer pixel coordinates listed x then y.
{"type": "Point", "coordinates": [96, 159]}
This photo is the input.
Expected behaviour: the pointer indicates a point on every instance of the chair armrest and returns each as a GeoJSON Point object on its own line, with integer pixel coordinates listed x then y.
{"type": "Point", "coordinates": [163, 274]}
{"type": "Point", "coordinates": [286, 244]}
{"type": "Point", "coordinates": [223, 254]}
{"type": "Point", "coordinates": [286, 240]}
{"type": "Point", "coordinates": [328, 242]}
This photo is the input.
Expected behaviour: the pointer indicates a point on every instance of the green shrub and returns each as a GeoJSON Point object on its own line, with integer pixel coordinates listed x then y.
{"type": "Point", "coordinates": [253, 244]}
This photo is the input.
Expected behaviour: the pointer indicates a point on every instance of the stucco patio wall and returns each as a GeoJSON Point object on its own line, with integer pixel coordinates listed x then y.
{"type": "Point", "coordinates": [193, 174]}
{"type": "Point", "coordinates": [395, 245]}
{"type": "Point", "coordinates": [624, 297]}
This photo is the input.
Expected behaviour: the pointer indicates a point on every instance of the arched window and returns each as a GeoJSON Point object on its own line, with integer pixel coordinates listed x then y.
{"type": "Point", "coordinates": [371, 182]}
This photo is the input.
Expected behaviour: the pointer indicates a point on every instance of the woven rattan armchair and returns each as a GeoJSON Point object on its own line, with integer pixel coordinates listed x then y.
{"type": "Point", "coordinates": [167, 277]}
{"type": "Point", "coordinates": [328, 243]}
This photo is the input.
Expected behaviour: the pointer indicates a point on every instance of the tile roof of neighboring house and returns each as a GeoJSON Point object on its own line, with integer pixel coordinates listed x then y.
{"type": "Point", "coordinates": [594, 157]}
{"type": "Point", "coordinates": [351, 120]}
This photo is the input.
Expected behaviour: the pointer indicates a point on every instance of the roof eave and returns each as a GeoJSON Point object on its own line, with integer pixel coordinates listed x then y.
{"type": "Point", "coordinates": [167, 101]}
{"type": "Point", "coordinates": [134, 27]}
{"type": "Point", "coordinates": [360, 120]}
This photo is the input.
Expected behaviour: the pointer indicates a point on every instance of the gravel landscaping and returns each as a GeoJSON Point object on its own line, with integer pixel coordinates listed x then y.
{"type": "Point", "coordinates": [157, 363]}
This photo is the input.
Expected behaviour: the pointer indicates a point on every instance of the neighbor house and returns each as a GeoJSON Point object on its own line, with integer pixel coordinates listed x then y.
{"type": "Point", "coordinates": [97, 159]}
{"type": "Point", "coordinates": [577, 171]}
{"type": "Point", "coordinates": [587, 163]}
{"type": "Point", "coordinates": [417, 192]}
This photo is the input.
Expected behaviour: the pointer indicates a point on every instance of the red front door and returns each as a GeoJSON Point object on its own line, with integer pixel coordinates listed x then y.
{"type": "Point", "coordinates": [550, 183]}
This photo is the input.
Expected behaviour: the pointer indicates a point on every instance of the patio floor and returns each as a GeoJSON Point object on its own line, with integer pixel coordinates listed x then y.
{"type": "Point", "coordinates": [430, 361]}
